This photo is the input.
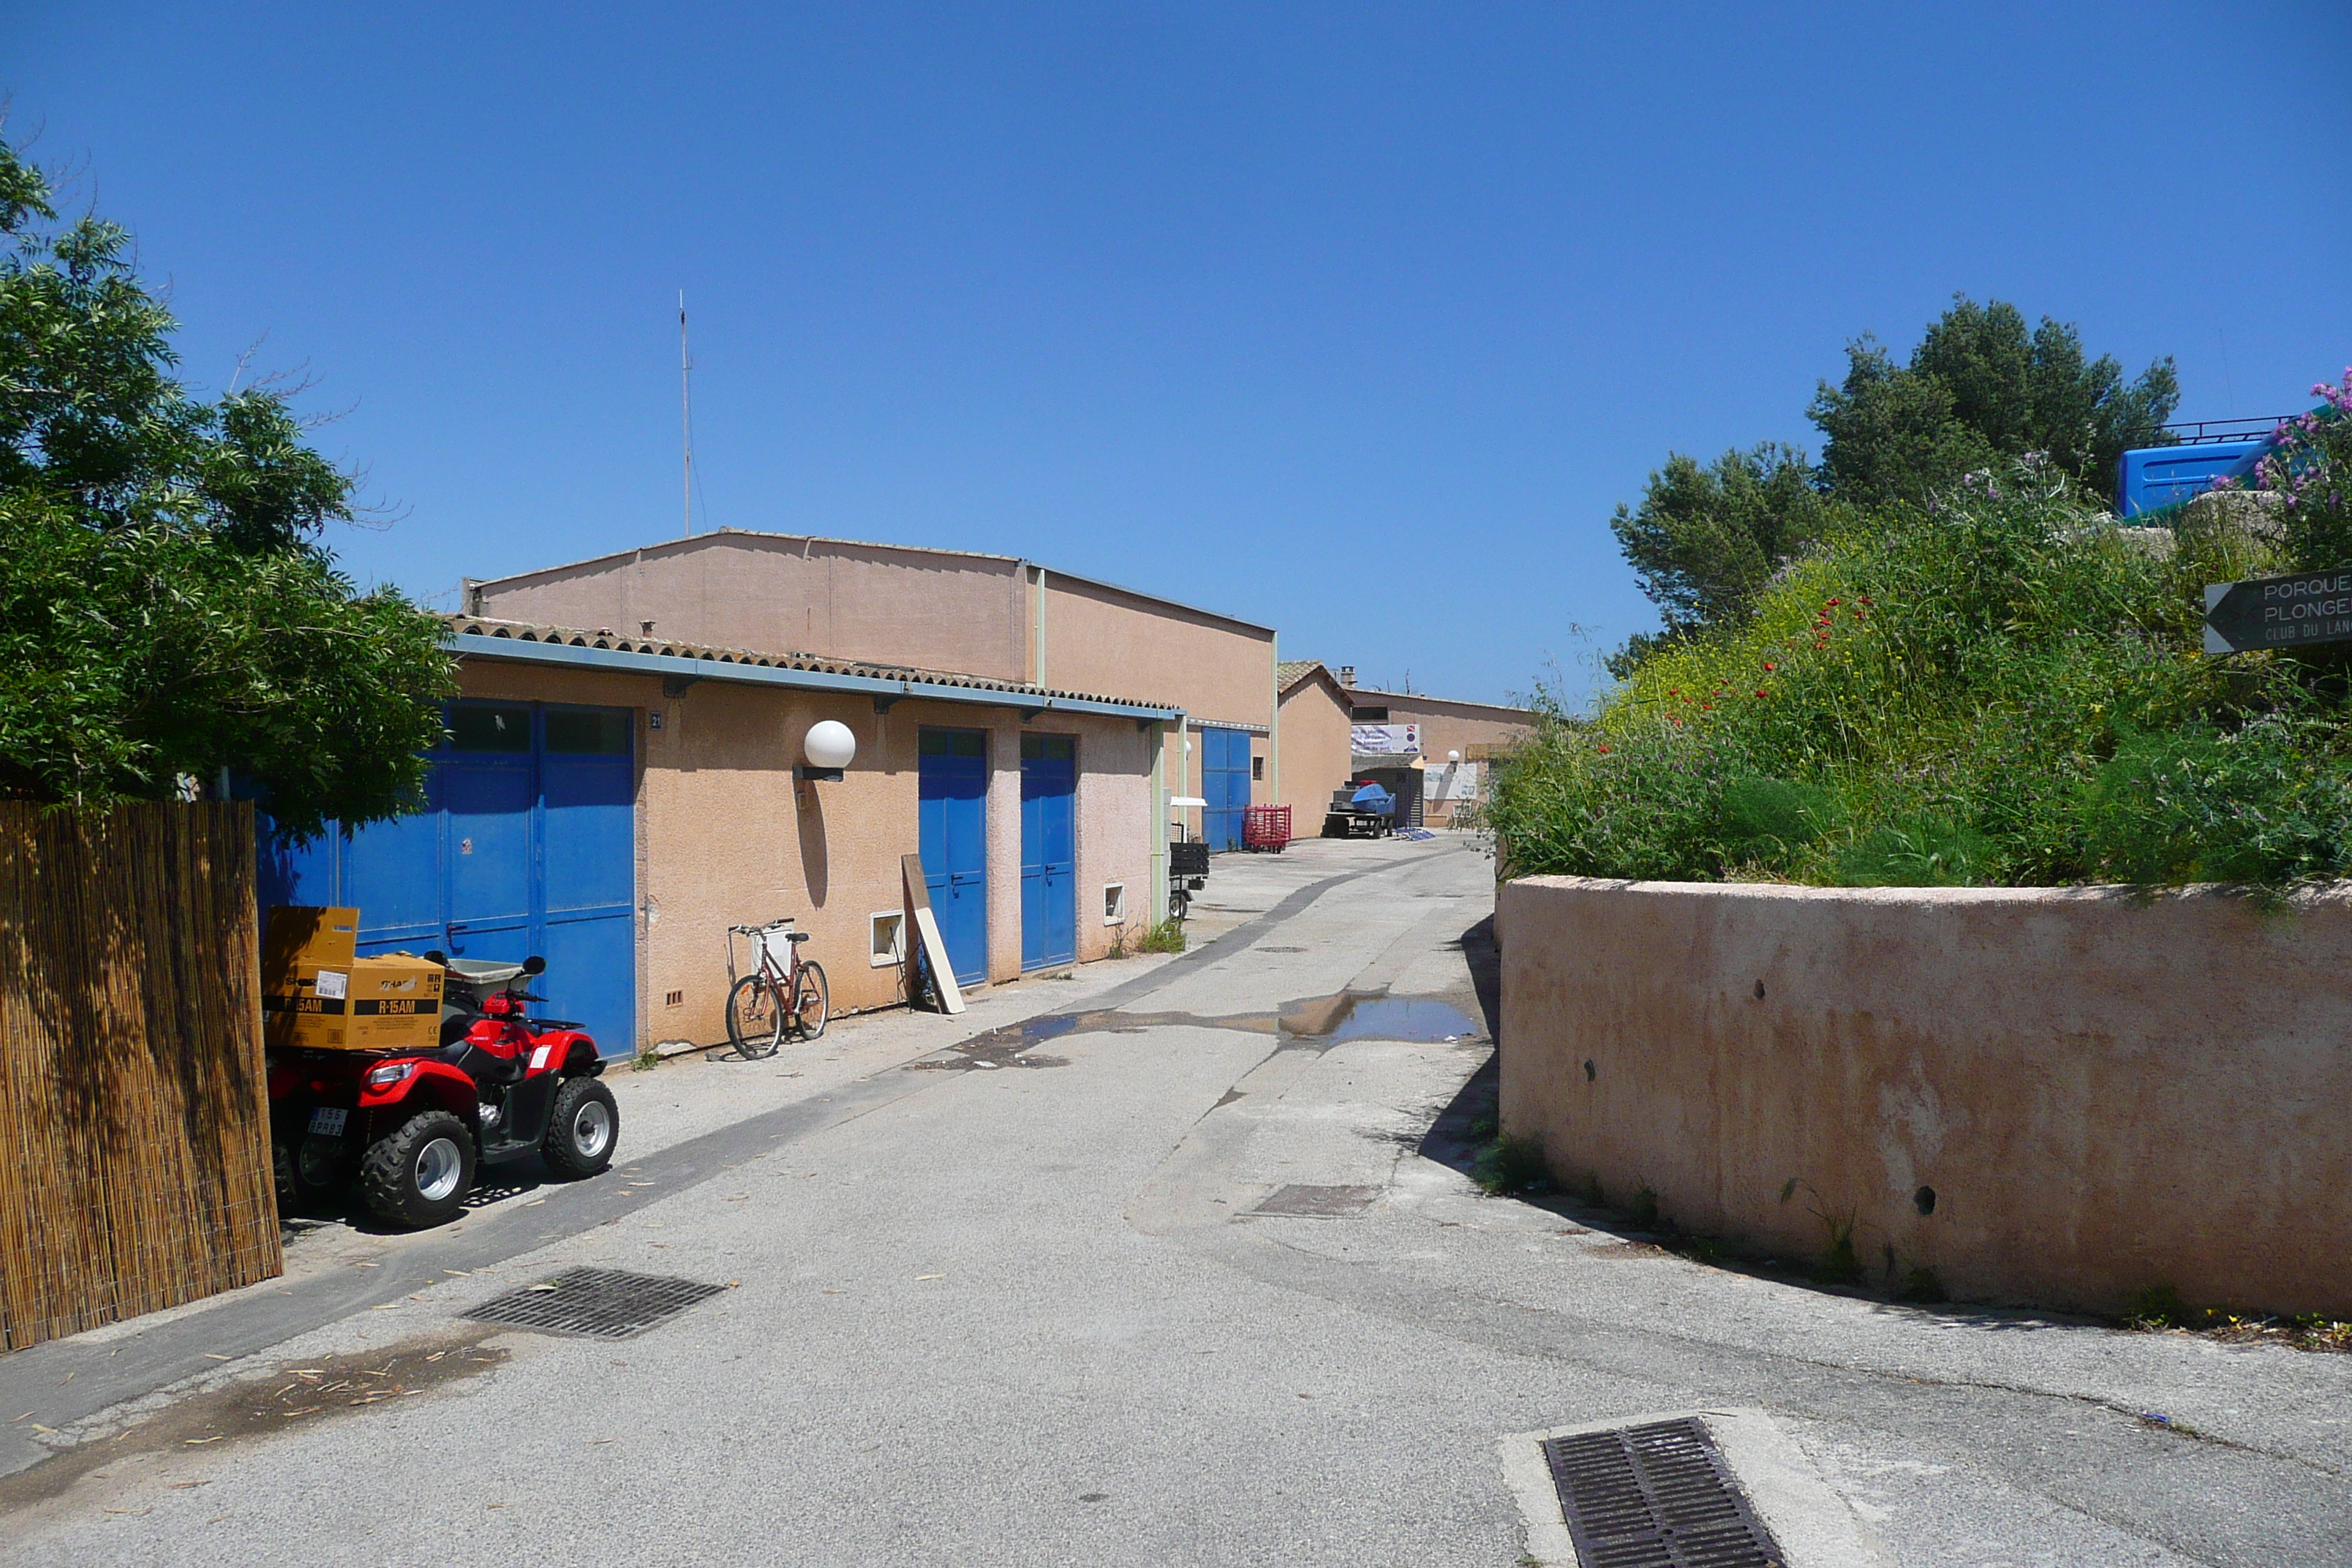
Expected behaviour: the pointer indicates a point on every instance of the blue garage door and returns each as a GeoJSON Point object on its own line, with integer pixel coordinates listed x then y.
{"type": "Point", "coordinates": [1225, 785]}
{"type": "Point", "coordinates": [952, 795]}
{"type": "Point", "coordinates": [1049, 887]}
{"type": "Point", "coordinates": [527, 845]}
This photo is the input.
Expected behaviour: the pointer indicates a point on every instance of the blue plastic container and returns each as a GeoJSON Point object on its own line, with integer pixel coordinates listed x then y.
{"type": "Point", "coordinates": [2150, 477]}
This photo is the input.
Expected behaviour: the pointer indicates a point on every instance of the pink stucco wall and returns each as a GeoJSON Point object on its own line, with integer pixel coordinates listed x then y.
{"type": "Point", "coordinates": [781, 594]}
{"type": "Point", "coordinates": [2104, 1093]}
{"type": "Point", "coordinates": [1314, 753]}
{"type": "Point", "coordinates": [1121, 644]}
{"type": "Point", "coordinates": [725, 836]}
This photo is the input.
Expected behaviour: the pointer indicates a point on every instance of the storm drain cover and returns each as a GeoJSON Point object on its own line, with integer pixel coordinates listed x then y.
{"type": "Point", "coordinates": [607, 1303]}
{"type": "Point", "coordinates": [1322, 1203]}
{"type": "Point", "coordinates": [1656, 1496]}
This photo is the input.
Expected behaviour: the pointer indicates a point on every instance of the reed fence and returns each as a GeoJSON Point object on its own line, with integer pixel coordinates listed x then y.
{"type": "Point", "coordinates": [134, 1114]}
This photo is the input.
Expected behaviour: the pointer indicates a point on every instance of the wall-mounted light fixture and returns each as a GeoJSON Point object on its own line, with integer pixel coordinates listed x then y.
{"type": "Point", "coordinates": [829, 747]}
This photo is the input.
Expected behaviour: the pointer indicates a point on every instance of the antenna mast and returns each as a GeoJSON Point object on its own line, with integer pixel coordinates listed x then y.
{"type": "Point", "coordinates": [685, 412]}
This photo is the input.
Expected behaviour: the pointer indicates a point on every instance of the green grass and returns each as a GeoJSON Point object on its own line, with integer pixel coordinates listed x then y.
{"type": "Point", "coordinates": [1511, 1163]}
{"type": "Point", "coordinates": [1167, 936]}
{"type": "Point", "coordinates": [2006, 689]}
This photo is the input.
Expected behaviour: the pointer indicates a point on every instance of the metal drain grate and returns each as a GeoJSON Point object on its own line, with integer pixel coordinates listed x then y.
{"type": "Point", "coordinates": [1656, 1496]}
{"type": "Point", "coordinates": [604, 1302]}
{"type": "Point", "coordinates": [1319, 1202]}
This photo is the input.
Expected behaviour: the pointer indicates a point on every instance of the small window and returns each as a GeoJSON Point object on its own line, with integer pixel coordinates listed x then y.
{"type": "Point", "coordinates": [479, 727]}
{"type": "Point", "coordinates": [1368, 715]}
{"type": "Point", "coordinates": [1114, 904]}
{"type": "Point", "coordinates": [588, 731]}
{"type": "Point", "coordinates": [887, 938]}
{"type": "Point", "coordinates": [1049, 748]}
{"type": "Point", "coordinates": [1257, 769]}
{"type": "Point", "coordinates": [952, 744]}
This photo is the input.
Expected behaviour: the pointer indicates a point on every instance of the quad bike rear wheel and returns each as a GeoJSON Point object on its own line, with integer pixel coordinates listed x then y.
{"type": "Point", "coordinates": [420, 1175]}
{"type": "Point", "coordinates": [581, 1129]}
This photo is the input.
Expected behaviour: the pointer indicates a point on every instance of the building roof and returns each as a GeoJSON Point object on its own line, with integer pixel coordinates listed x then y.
{"type": "Point", "coordinates": [1408, 698]}
{"type": "Point", "coordinates": [1289, 672]}
{"type": "Point", "coordinates": [1013, 560]}
{"type": "Point", "coordinates": [481, 636]}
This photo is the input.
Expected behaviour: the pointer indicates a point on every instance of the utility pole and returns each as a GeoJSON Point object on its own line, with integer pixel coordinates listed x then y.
{"type": "Point", "coordinates": [686, 412]}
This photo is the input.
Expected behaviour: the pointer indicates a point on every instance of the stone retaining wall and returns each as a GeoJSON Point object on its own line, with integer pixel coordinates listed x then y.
{"type": "Point", "coordinates": [2061, 1096]}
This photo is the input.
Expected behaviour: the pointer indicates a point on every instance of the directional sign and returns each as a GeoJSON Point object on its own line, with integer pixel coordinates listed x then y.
{"type": "Point", "coordinates": [2278, 612]}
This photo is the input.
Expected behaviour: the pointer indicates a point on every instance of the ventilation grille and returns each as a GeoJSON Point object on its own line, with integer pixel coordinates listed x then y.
{"type": "Point", "coordinates": [1656, 1496]}
{"type": "Point", "coordinates": [604, 1303]}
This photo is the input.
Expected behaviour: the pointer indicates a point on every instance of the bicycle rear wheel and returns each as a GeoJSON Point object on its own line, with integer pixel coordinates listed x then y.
{"type": "Point", "coordinates": [755, 1021]}
{"type": "Point", "coordinates": [812, 1001]}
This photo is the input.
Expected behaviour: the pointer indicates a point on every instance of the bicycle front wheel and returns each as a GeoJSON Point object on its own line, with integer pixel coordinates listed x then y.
{"type": "Point", "coordinates": [755, 1022]}
{"type": "Point", "coordinates": [812, 1003]}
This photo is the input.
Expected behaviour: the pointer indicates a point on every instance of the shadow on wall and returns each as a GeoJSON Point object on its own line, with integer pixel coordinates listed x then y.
{"type": "Point", "coordinates": [808, 811]}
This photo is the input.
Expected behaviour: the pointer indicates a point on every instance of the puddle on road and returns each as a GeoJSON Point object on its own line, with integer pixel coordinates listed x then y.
{"type": "Point", "coordinates": [1313, 1023]}
{"type": "Point", "coordinates": [1418, 1018]}
{"type": "Point", "coordinates": [191, 1430]}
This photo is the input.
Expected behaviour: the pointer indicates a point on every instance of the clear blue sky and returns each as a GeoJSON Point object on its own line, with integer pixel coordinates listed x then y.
{"type": "Point", "coordinates": [1353, 319]}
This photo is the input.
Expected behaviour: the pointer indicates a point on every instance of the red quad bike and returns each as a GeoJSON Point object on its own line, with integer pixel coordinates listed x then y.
{"type": "Point", "coordinates": [414, 1125]}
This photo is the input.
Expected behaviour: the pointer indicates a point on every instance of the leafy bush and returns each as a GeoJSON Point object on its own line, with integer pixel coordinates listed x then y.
{"type": "Point", "coordinates": [2003, 687]}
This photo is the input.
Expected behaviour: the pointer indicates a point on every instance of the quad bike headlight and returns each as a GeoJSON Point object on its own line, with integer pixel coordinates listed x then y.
{"type": "Point", "coordinates": [390, 1073]}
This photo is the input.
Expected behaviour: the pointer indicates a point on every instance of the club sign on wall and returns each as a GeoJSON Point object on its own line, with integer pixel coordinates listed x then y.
{"type": "Point", "coordinates": [1369, 739]}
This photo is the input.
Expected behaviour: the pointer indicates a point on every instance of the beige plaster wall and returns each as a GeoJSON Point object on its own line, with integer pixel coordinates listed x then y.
{"type": "Point", "coordinates": [1118, 644]}
{"type": "Point", "coordinates": [726, 836]}
{"type": "Point", "coordinates": [1314, 753]}
{"type": "Point", "coordinates": [780, 594]}
{"type": "Point", "coordinates": [1447, 726]}
{"type": "Point", "coordinates": [2103, 1094]}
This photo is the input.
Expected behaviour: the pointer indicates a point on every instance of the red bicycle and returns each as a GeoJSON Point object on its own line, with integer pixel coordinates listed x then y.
{"type": "Point", "coordinates": [781, 992]}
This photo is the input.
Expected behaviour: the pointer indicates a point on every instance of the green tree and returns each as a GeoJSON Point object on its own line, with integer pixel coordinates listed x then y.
{"type": "Point", "coordinates": [1705, 539]}
{"type": "Point", "coordinates": [166, 608]}
{"type": "Point", "coordinates": [1980, 391]}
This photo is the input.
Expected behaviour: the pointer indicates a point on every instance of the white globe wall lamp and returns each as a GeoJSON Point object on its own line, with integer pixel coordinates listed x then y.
{"type": "Point", "coordinates": [830, 747]}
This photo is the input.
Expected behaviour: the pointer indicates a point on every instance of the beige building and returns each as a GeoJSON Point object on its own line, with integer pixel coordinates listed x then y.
{"type": "Point", "coordinates": [1433, 752]}
{"type": "Point", "coordinates": [1455, 742]}
{"type": "Point", "coordinates": [994, 617]}
{"type": "Point", "coordinates": [1313, 720]}
{"type": "Point", "coordinates": [726, 833]}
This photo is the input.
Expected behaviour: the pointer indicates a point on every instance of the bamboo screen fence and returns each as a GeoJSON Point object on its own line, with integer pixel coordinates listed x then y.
{"type": "Point", "coordinates": [134, 1114]}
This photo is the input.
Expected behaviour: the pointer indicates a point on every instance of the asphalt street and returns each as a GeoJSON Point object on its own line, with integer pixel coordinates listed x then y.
{"type": "Point", "coordinates": [1019, 1289]}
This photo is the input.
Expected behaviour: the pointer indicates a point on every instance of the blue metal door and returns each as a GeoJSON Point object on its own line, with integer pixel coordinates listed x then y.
{"type": "Point", "coordinates": [527, 845]}
{"type": "Point", "coordinates": [1049, 888]}
{"type": "Point", "coordinates": [487, 779]}
{"type": "Point", "coordinates": [952, 795]}
{"type": "Point", "coordinates": [1225, 785]}
{"type": "Point", "coordinates": [588, 853]}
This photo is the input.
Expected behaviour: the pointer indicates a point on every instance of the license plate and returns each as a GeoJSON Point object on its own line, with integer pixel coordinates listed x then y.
{"type": "Point", "coordinates": [327, 1122]}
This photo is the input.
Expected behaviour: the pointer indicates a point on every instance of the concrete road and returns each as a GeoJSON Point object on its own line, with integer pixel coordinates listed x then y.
{"type": "Point", "coordinates": [1016, 1289]}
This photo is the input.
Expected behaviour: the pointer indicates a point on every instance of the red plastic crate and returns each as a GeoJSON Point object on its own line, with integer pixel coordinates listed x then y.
{"type": "Point", "coordinates": [1266, 827]}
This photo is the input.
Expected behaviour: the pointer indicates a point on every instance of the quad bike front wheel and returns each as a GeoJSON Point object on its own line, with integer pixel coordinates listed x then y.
{"type": "Point", "coordinates": [581, 1129]}
{"type": "Point", "coordinates": [420, 1175]}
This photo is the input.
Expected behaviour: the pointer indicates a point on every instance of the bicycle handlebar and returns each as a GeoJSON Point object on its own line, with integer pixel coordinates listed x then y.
{"type": "Point", "coordinates": [759, 931]}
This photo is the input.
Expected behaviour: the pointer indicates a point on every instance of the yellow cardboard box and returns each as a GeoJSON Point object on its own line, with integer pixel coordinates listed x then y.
{"type": "Point", "coordinates": [315, 993]}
